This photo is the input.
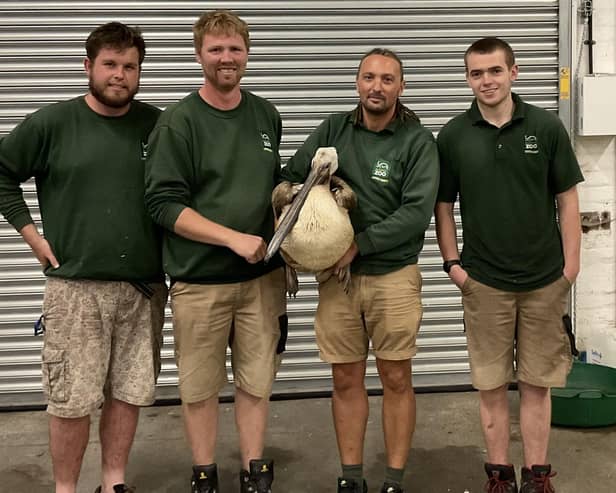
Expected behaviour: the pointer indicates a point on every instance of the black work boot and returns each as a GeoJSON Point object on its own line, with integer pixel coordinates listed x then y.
{"type": "Point", "coordinates": [391, 488]}
{"type": "Point", "coordinates": [537, 479]}
{"type": "Point", "coordinates": [118, 488]}
{"type": "Point", "coordinates": [260, 477]}
{"type": "Point", "coordinates": [204, 479]}
{"type": "Point", "coordinates": [501, 478]}
{"type": "Point", "coordinates": [351, 486]}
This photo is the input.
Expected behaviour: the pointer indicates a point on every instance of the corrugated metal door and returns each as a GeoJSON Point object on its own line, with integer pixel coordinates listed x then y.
{"type": "Point", "coordinates": [304, 57]}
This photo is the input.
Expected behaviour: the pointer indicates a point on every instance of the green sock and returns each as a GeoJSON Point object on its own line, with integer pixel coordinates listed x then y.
{"type": "Point", "coordinates": [394, 476]}
{"type": "Point", "coordinates": [353, 471]}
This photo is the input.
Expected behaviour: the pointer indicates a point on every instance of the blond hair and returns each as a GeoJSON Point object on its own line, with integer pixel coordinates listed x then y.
{"type": "Point", "coordinates": [219, 22]}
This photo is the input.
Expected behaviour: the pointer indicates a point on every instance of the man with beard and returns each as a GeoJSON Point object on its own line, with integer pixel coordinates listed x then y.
{"type": "Point", "coordinates": [512, 165]}
{"type": "Point", "coordinates": [105, 294]}
{"type": "Point", "coordinates": [213, 165]}
{"type": "Point", "coordinates": [390, 160]}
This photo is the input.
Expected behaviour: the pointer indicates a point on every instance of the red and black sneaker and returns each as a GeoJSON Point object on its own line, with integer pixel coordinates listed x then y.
{"type": "Point", "coordinates": [501, 478]}
{"type": "Point", "coordinates": [537, 479]}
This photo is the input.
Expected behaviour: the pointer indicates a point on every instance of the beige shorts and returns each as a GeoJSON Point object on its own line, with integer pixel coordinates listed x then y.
{"type": "Point", "coordinates": [250, 317]}
{"type": "Point", "coordinates": [385, 309]}
{"type": "Point", "coordinates": [498, 321]}
{"type": "Point", "coordinates": [102, 338]}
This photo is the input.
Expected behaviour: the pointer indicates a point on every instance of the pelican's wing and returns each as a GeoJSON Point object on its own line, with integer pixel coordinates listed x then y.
{"type": "Point", "coordinates": [290, 218]}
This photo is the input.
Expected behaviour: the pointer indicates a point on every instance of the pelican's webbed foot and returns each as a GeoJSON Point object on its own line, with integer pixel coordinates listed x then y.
{"type": "Point", "coordinates": [344, 278]}
{"type": "Point", "coordinates": [291, 280]}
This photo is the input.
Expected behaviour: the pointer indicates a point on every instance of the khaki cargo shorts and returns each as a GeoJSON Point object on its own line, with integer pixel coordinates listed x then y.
{"type": "Point", "coordinates": [250, 317]}
{"type": "Point", "coordinates": [498, 321]}
{"type": "Point", "coordinates": [102, 339]}
{"type": "Point", "coordinates": [385, 309]}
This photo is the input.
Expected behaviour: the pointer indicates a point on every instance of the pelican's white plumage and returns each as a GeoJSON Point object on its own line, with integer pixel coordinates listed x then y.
{"type": "Point", "coordinates": [321, 232]}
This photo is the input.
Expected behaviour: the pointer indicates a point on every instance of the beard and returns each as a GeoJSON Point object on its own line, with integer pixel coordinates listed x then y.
{"type": "Point", "coordinates": [376, 109]}
{"type": "Point", "coordinates": [98, 92]}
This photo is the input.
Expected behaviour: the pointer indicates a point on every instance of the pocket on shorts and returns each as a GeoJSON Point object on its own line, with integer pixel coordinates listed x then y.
{"type": "Point", "coordinates": [466, 285]}
{"type": "Point", "coordinates": [415, 279]}
{"type": "Point", "coordinates": [568, 327]}
{"type": "Point", "coordinates": [566, 281]}
{"type": "Point", "coordinates": [55, 381]}
{"type": "Point", "coordinates": [283, 325]}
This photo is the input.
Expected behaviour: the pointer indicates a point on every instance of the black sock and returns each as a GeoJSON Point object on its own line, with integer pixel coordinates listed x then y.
{"type": "Point", "coordinates": [353, 471]}
{"type": "Point", "coordinates": [394, 476]}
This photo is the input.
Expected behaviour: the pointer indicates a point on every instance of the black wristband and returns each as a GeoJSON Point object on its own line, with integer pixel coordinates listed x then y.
{"type": "Point", "coordinates": [448, 264]}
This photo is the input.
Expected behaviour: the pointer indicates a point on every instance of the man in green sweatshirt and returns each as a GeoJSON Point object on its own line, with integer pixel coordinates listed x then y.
{"type": "Point", "coordinates": [390, 160]}
{"type": "Point", "coordinates": [105, 294]}
{"type": "Point", "coordinates": [213, 165]}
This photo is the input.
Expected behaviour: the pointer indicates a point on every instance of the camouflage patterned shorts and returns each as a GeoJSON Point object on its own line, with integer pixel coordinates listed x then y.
{"type": "Point", "coordinates": [102, 338]}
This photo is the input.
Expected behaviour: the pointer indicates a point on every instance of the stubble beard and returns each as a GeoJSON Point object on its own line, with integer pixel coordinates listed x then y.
{"type": "Point", "coordinates": [375, 110]}
{"type": "Point", "coordinates": [222, 85]}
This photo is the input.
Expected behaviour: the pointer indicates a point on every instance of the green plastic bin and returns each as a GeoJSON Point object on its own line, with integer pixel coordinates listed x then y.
{"type": "Point", "coordinates": [589, 398]}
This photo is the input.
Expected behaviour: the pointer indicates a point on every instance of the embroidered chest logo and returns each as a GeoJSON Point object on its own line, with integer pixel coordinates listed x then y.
{"type": "Point", "coordinates": [380, 171]}
{"type": "Point", "coordinates": [530, 145]}
{"type": "Point", "coordinates": [267, 143]}
{"type": "Point", "coordinates": [144, 150]}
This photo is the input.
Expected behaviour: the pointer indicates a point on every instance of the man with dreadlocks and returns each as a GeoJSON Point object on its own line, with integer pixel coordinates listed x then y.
{"type": "Point", "coordinates": [390, 160]}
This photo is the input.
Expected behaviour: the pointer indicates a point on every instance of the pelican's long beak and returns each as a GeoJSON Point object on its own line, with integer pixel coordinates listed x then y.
{"type": "Point", "coordinates": [290, 218]}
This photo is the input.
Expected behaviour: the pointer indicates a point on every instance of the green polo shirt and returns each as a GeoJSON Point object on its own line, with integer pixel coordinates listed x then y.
{"type": "Point", "coordinates": [394, 174]}
{"type": "Point", "coordinates": [507, 179]}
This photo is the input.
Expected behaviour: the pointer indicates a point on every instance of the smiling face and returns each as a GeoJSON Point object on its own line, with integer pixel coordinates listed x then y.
{"type": "Point", "coordinates": [379, 84]}
{"type": "Point", "coordinates": [113, 78]}
{"type": "Point", "coordinates": [489, 77]}
{"type": "Point", "coordinates": [223, 59]}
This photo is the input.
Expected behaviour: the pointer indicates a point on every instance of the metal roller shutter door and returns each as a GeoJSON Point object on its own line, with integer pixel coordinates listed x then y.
{"type": "Point", "coordinates": [303, 58]}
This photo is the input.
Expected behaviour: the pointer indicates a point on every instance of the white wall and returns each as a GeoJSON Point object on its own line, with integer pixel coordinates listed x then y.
{"type": "Point", "coordinates": [595, 294]}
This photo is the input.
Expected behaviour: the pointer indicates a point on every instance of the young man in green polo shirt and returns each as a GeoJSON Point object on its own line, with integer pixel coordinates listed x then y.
{"type": "Point", "coordinates": [105, 295]}
{"type": "Point", "coordinates": [513, 168]}
{"type": "Point", "coordinates": [390, 161]}
{"type": "Point", "coordinates": [213, 165]}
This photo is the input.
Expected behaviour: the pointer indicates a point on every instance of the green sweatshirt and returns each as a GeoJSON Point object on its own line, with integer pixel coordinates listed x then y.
{"type": "Point", "coordinates": [89, 179]}
{"type": "Point", "coordinates": [222, 164]}
{"type": "Point", "coordinates": [394, 174]}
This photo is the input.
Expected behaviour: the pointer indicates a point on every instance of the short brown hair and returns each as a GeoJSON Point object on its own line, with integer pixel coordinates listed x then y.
{"type": "Point", "coordinates": [490, 45]}
{"type": "Point", "coordinates": [117, 36]}
{"type": "Point", "coordinates": [219, 22]}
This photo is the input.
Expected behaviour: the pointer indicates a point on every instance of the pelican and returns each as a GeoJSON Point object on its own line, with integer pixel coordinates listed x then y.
{"type": "Point", "coordinates": [313, 229]}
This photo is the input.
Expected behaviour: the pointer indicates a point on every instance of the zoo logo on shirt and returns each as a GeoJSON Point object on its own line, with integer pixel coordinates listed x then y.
{"type": "Point", "coordinates": [144, 150]}
{"type": "Point", "coordinates": [530, 145]}
{"type": "Point", "coordinates": [267, 143]}
{"type": "Point", "coordinates": [380, 171]}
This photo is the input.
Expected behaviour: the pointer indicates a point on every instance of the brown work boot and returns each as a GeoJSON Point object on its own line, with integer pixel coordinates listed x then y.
{"type": "Point", "coordinates": [501, 478]}
{"type": "Point", "coordinates": [537, 479]}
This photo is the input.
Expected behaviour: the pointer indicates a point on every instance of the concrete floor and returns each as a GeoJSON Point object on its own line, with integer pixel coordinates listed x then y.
{"type": "Point", "coordinates": [447, 453]}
